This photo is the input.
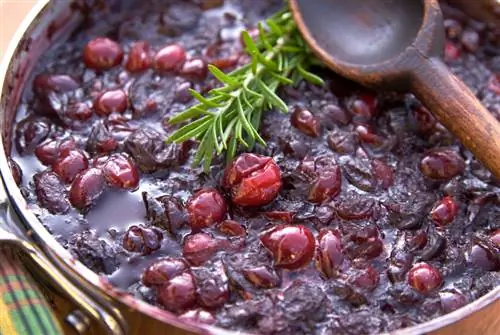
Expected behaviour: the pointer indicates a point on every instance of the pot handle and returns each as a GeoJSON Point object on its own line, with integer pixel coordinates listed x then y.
{"type": "Point", "coordinates": [87, 308]}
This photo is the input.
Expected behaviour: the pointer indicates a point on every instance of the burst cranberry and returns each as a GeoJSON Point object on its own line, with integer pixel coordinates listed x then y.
{"type": "Point", "coordinates": [49, 151]}
{"type": "Point", "coordinates": [110, 102]}
{"type": "Point", "coordinates": [232, 228]}
{"type": "Point", "coordinates": [16, 171]}
{"type": "Point", "coordinates": [495, 238]}
{"type": "Point", "coordinates": [69, 164]}
{"type": "Point", "coordinates": [329, 256]}
{"type": "Point", "coordinates": [367, 278]}
{"type": "Point", "coordinates": [253, 180]}
{"type": "Point", "coordinates": [425, 120]}
{"type": "Point", "coordinates": [364, 242]}
{"type": "Point", "coordinates": [452, 300]}
{"type": "Point", "coordinates": [87, 187]}
{"type": "Point", "coordinates": [200, 247]}
{"type": "Point", "coordinates": [383, 173]}
{"type": "Point", "coordinates": [45, 83]}
{"type": "Point", "coordinates": [363, 106]}
{"type": "Point", "coordinates": [291, 246]}
{"type": "Point", "coordinates": [205, 207]}
{"type": "Point", "coordinates": [485, 257]}
{"type": "Point", "coordinates": [30, 132]}
{"type": "Point", "coordinates": [326, 186]}
{"type": "Point", "coordinates": [142, 240]}
{"type": "Point", "coordinates": [170, 58]}
{"type": "Point", "coordinates": [179, 293]}
{"type": "Point", "coordinates": [262, 277]}
{"type": "Point", "coordinates": [444, 212]}
{"type": "Point", "coordinates": [442, 164]}
{"type": "Point", "coordinates": [163, 270]}
{"type": "Point", "coordinates": [424, 278]}
{"type": "Point", "coordinates": [283, 216]}
{"type": "Point", "coordinates": [139, 57]}
{"type": "Point", "coordinates": [305, 121]}
{"type": "Point", "coordinates": [102, 53]}
{"type": "Point", "coordinates": [79, 111]}
{"type": "Point", "coordinates": [50, 192]}
{"type": "Point", "coordinates": [355, 207]}
{"type": "Point", "coordinates": [195, 69]}
{"type": "Point", "coordinates": [121, 172]}
{"type": "Point", "coordinates": [451, 52]}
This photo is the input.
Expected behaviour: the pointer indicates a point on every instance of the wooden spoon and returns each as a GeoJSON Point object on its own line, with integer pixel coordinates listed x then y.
{"type": "Point", "coordinates": [396, 44]}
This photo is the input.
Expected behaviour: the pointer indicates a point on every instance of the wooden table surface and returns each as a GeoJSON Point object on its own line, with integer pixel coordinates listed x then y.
{"type": "Point", "coordinates": [486, 322]}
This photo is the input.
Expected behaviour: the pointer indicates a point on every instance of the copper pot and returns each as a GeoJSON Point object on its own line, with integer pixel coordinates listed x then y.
{"type": "Point", "coordinates": [89, 301]}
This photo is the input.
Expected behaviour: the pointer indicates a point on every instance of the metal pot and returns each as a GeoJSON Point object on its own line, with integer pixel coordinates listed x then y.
{"type": "Point", "coordinates": [90, 301]}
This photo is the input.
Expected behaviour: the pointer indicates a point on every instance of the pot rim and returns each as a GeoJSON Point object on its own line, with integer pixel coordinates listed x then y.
{"type": "Point", "coordinates": [41, 236]}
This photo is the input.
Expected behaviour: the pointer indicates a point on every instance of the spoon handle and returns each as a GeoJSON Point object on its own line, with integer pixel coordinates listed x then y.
{"type": "Point", "coordinates": [458, 109]}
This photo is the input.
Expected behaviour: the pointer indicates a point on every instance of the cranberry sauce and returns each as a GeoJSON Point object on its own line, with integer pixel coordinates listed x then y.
{"type": "Point", "coordinates": [362, 214]}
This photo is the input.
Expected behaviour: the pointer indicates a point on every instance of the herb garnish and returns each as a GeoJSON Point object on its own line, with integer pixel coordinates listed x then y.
{"type": "Point", "coordinates": [230, 116]}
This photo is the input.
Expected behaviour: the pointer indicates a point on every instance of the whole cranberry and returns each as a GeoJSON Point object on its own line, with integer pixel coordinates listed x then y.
{"type": "Point", "coordinates": [49, 151]}
{"type": "Point", "coordinates": [16, 171]}
{"type": "Point", "coordinates": [253, 180]}
{"type": "Point", "coordinates": [452, 300]}
{"type": "Point", "coordinates": [199, 248]}
{"type": "Point", "coordinates": [329, 256]}
{"type": "Point", "coordinates": [87, 187]}
{"type": "Point", "coordinates": [163, 270]}
{"type": "Point", "coordinates": [232, 228]}
{"type": "Point", "coordinates": [46, 83]}
{"type": "Point", "coordinates": [194, 69]}
{"type": "Point", "coordinates": [495, 238]}
{"type": "Point", "coordinates": [291, 246]}
{"type": "Point", "coordinates": [139, 57]}
{"type": "Point", "coordinates": [442, 164]}
{"type": "Point", "coordinates": [142, 240]}
{"type": "Point", "coordinates": [366, 278]}
{"type": "Point", "coordinates": [121, 172]}
{"type": "Point", "coordinates": [69, 164]}
{"type": "Point", "coordinates": [170, 57]}
{"type": "Point", "coordinates": [484, 256]}
{"type": "Point", "coordinates": [306, 122]}
{"type": "Point", "coordinates": [444, 212]}
{"type": "Point", "coordinates": [111, 101]}
{"type": "Point", "coordinates": [205, 208]}
{"type": "Point", "coordinates": [102, 53]}
{"type": "Point", "coordinates": [262, 277]}
{"type": "Point", "coordinates": [363, 106]}
{"type": "Point", "coordinates": [198, 316]}
{"type": "Point", "coordinates": [424, 278]}
{"type": "Point", "coordinates": [179, 293]}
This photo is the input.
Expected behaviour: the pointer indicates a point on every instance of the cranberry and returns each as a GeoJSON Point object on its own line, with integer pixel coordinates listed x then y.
{"type": "Point", "coordinates": [363, 106]}
{"type": "Point", "coordinates": [166, 212]}
{"type": "Point", "coordinates": [194, 69]}
{"type": "Point", "coordinates": [170, 58]}
{"type": "Point", "coordinates": [333, 114]}
{"type": "Point", "coordinates": [213, 288]}
{"type": "Point", "coordinates": [182, 93]}
{"type": "Point", "coordinates": [424, 119]}
{"type": "Point", "coordinates": [226, 63]}
{"type": "Point", "coordinates": [291, 246]}
{"type": "Point", "coordinates": [383, 173]}
{"type": "Point", "coordinates": [399, 264]}
{"type": "Point", "coordinates": [163, 270]}
{"type": "Point", "coordinates": [283, 216]}
{"type": "Point", "coordinates": [326, 186]}
{"type": "Point", "coordinates": [442, 164]}
{"type": "Point", "coordinates": [87, 187]}
{"type": "Point", "coordinates": [342, 142]}
{"type": "Point", "coordinates": [139, 57]}
{"type": "Point", "coordinates": [46, 83]}
{"type": "Point", "coordinates": [306, 122]}
{"type": "Point", "coordinates": [110, 102]}
{"type": "Point", "coordinates": [355, 207]}
{"type": "Point", "coordinates": [232, 228]}
{"type": "Point", "coordinates": [50, 192]}
{"type": "Point", "coordinates": [262, 277]}
{"type": "Point", "coordinates": [452, 300]}
{"type": "Point", "coordinates": [254, 180]}
{"type": "Point", "coordinates": [16, 171]}
{"type": "Point", "coordinates": [198, 316]}
{"type": "Point", "coordinates": [100, 140]}
{"type": "Point", "coordinates": [179, 293]}
{"type": "Point", "coordinates": [69, 164]}
{"type": "Point", "coordinates": [367, 278]}
{"type": "Point", "coordinates": [424, 278]}
{"type": "Point", "coordinates": [451, 52]}
{"type": "Point", "coordinates": [205, 207]}
{"type": "Point", "coordinates": [495, 238]}
{"type": "Point", "coordinates": [329, 256]}
{"type": "Point", "coordinates": [364, 242]}
{"type": "Point", "coordinates": [79, 111]}
{"type": "Point", "coordinates": [485, 257]}
{"type": "Point", "coordinates": [102, 53]}
{"type": "Point", "coordinates": [30, 132]}
{"type": "Point", "coordinates": [49, 151]}
{"type": "Point", "coordinates": [444, 212]}
{"type": "Point", "coordinates": [121, 172]}
{"type": "Point", "coordinates": [199, 248]}
{"type": "Point", "coordinates": [142, 240]}
{"type": "Point", "coordinates": [494, 84]}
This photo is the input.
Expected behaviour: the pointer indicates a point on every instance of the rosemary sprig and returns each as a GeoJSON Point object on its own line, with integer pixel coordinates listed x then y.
{"type": "Point", "coordinates": [229, 116]}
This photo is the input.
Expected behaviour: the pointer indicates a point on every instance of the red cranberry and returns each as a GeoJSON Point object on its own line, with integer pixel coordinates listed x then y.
{"type": "Point", "coordinates": [49, 151]}
{"type": "Point", "coordinates": [444, 212]}
{"type": "Point", "coordinates": [424, 119]}
{"type": "Point", "coordinates": [102, 53]}
{"type": "Point", "coordinates": [46, 83]}
{"type": "Point", "coordinates": [179, 293]}
{"type": "Point", "coordinates": [367, 135]}
{"type": "Point", "coordinates": [355, 207]}
{"type": "Point", "coordinates": [342, 142]}
{"type": "Point", "coordinates": [329, 256]}
{"type": "Point", "coordinates": [100, 140]}
{"type": "Point", "coordinates": [163, 270]}
{"type": "Point", "coordinates": [254, 180]}
{"type": "Point", "coordinates": [283, 216]}
{"type": "Point", "coordinates": [16, 171]}
{"type": "Point", "coordinates": [367, 278]}
{"type": "Point", "coordinates": [363, 106]}
{"type": "Point", "coordinates": [442, 164]}
{"type": "Point", "coordinates": [383, 173]}
{"type": "Point", "coordinates": [482, 256]}
{"type": "Point", "coordinates": [364, 243]}
{"type": "Point", "coordinates": [142, 240]}
{"type": "Point", "coordinates": [69, 164]}
{"type": "Point", "coordinates": [424, 278]}
{"type": "Point", "coordinates": [495, 238]}
{"type": "Point", "coordinates": [79, 112]}
{"type": "Point", "coordinates": [205, 207]}
{"type": "Point", "coordinates": [226, 62]}
{"type": "Point", "coordinates": [111, 101]}
{"type": "Point", "coordinates": [232, 228]}
{"type": "Point", "coordinates": [306, 122]}
{"type": "Point", "coordinates": [139, 57]}
{"type": "Point", "coordinates": [170, 58]}
{"type": "Point", "coordinates": [198, 316]}
{"type": "Point", "coordinates": [262, 277]}
{"type": "Point", "coordinates": [195, 69]}
{"type": "Point", "coordinates": [199, 248]}
{"type": "Point", "coordinates": [87, 187]}
{"type": "Point", "coordinates": [451, 52]}
{"type": "Point", "coordinates": [326, 186]}
{"type": "Point", "coordinates": [121, 172]}
{"type": "Point", "coordinates": [291, 246]}
{"type": "Point", "coordinates": [451, 301]}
